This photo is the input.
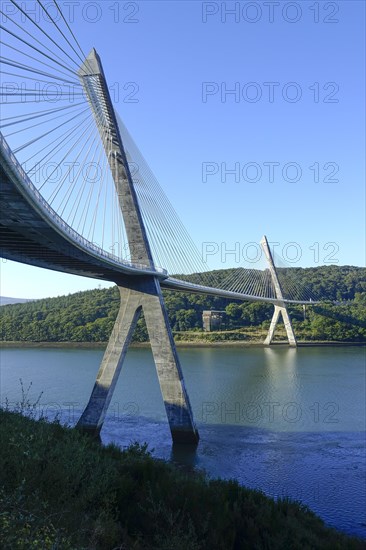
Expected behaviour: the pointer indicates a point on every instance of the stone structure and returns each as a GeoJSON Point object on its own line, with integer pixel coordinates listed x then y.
{"type": "Point", "coordinates": [213, 320]}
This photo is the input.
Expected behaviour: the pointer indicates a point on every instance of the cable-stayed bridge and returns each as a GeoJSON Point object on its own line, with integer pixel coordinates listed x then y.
{"type": "Point", "coordinates": [77, 196]}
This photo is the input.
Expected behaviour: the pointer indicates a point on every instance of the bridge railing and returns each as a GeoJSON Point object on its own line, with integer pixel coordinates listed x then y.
{"type": "Point", "coordinates": [62, 224]}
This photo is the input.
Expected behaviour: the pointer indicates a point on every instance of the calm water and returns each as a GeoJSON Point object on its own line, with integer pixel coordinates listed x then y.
{"type": "Point", "coordinates": [289, 422]}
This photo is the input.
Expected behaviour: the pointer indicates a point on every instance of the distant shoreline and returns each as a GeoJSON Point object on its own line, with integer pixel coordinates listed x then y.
{"type": "Point", "coordinates": [179, 344]}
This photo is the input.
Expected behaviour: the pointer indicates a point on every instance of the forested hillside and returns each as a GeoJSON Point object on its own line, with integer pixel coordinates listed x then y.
{"type": "Point", "coordinates": [89, 316]}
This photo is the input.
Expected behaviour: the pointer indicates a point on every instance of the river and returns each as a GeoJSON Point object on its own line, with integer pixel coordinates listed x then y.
{"type": "Point", "coordinates": [290, 422]}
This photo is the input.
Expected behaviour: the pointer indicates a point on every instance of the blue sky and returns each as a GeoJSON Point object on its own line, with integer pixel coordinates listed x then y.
{"type": "Point", "coordinates": [187, 129]}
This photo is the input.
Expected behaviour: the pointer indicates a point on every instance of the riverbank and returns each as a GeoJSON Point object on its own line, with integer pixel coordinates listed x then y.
{"type": "Point", "coordinates": [64, 490]}
{"type": "Point", "coordinates": [179, 344]}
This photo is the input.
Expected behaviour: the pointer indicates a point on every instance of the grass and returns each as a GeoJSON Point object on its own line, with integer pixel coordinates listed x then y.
{"type": "Point", "coordinates": [61, 490]}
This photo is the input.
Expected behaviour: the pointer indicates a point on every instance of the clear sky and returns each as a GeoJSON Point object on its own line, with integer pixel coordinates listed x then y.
{"type": "Point", "coordinates": [292, 132]}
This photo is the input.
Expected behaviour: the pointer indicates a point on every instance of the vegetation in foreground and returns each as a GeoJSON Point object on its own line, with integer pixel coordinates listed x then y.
{"type": "Point", "coordinates": [61, 490]}
{"type": "Point", "coordinates": [89, 316]}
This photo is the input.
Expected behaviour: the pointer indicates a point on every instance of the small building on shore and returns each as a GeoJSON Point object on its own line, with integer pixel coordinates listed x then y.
{"type": "Point", "coordinates": [213, 320]}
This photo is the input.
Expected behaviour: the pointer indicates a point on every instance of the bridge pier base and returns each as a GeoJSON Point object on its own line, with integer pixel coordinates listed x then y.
{"type": "Point", "coordinates": [146, 297]}
{"type": "Point", "coordinates": [281, 310]}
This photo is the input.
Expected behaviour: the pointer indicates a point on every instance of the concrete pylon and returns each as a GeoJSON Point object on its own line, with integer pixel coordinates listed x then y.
{"type": "Point", "coordinates": [138, 293]}
{"type": "Point", "coordinates": [280, 309]}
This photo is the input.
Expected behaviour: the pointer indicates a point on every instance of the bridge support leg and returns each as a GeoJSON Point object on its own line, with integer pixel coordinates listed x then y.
{"type": "Point", "coordinates": [281, 310]}
{"type": "Point", "coordinates": [145, 296]}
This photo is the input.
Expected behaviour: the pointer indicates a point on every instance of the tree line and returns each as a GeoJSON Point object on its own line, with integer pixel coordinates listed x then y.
{"type": "Point", "coordinates": [89, 316]}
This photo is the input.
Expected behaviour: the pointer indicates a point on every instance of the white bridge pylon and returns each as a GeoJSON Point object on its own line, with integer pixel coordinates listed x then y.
{"type": "Point", "coordinates": [279, 309]}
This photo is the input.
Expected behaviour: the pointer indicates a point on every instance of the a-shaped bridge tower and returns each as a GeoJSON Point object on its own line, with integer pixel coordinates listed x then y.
{"type": "Point", "coordinates": [279, 308]}
{"type": "Point", "coordinates": [137, 293]}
